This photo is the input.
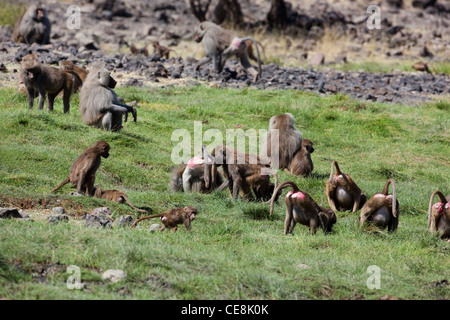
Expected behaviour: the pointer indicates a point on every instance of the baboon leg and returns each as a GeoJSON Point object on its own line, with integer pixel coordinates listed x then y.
{"type": "Point", "coordinates": [30, 93]}
{"type": "Point", "coordinates": [51, 101]}
{"type": "Point", "coordinates": [106, 121]}
{"type": "Point", "coordinates": [41, 97]}
{"type": "Point", "coordinates": [237, 183]}
{"type": "Point", "coordinates": [66, 99]}
{"type": "Point", "coordinates": [289, 217]}
{"type": "Point", "coordinates": [313, 225]}
{"type": "Point", "coordinates": [248, 66]}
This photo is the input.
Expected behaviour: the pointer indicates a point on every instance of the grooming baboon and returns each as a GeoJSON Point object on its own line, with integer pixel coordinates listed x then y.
{"type": "Point", "coordinates": [220, 44]}
{"type": "Point", "coordinates": [99, 105]}
{"type": "Point", "coordinates": [241, 175]}
{"type": "Point", "coordinates": [33, 26]}
{"type": "Point", "coordinates": [161, 50]}
{"type": "Point", "coordinates": [289, 140]}
{"type": "Point", "coordinates": [194, 176]}
{"type": "Point", "coordinates": [82, 172]}
{"type": "Point", "coordinates": [439, 215]}
{"type": "Point", "coordinates": [301, 163]}
{"type": "Point", "coordinates": [44, 80]}
{"type": "Point", "coordinates": [171, 218]}
{"type": "Point", "coordinates": [342, 192]}
{"type": "Point", "coordinates": [115, 195]}
{"type": "Point", "coordinates": [301, 208]}
{"type": "Point", "coordinates": [382, 209]}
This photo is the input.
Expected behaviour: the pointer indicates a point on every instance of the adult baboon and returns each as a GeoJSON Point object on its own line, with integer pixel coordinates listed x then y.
{"type": "Point", "coordinates": [82, 172]}
{"type": "Point", "coordinates": [99, 104]}
{"type": "Point", "coordinates": [220, 44]}
{"type": "Point", "coordinates": [301, 208]}
{"type": "Point", "coordinates": [33, 26]}
{"type": "Point", "coordinates": [342, 192]}
{"type": "Point", "coordinates": [44, 80]}
{"type": "Point", "coordinates": [289, 140]}
{"type": "Point", "coordinates": [382, 209]}
{"type": "Point", "coordinates": [439, 215]}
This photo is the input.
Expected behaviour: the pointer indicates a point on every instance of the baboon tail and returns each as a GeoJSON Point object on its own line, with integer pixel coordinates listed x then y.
{"type": "Point", "coordinates": [145, 218]}
{"type": "Point", "coordinates": [394, 195]}
{"type": "Point", "coordinates": [281, 187]}
{"type": "Point", "coordinates": [131, 205]}
{"type": "Point", "coordinates": [61, 184]}
{"type": "Point", "coordinates": [441, 197]}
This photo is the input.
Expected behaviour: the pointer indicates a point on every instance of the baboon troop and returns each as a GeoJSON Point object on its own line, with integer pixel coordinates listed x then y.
{"type": "Point", "coordinates": [33, 26]}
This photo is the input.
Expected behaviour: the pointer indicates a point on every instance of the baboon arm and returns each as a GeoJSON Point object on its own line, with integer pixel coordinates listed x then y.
{"type": "Point", "coordinates": [203, 61]}
{"type": "Point", "coordinates": [224, 185]}
{"type": "Point", "coordinates": [329, 192]}
{"type": "Point", "coordinates": [364, 216]}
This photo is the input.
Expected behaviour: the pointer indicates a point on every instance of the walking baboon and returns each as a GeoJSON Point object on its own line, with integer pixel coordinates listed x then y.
{"type": "Point", "coordinates": [220, 44]}
{"type": "Point", "coordinates": [173, 217]}
{"type": "Point", "coordinates": [342, 192]}
{"type": "Point", "coordinates": [33, 26]}
{"type": "Point", "coordinates": [38, 78]}
{"type": "Point", "coordinates": [439, 215]}
{"type": "Point", "coordinates": [301, 208]}
{"type": "Point", "coordinates": [99, 104]}
{"type": "Point", "coordinates": [82, 172]}
{"type": "Point", "coordinates": [382, 209]}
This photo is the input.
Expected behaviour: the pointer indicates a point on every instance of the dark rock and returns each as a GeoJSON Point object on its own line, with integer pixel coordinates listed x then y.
{"type": "Point", "coordinates": [125, 221]}
{"type": "Point", "coordinates": [424, 52]}
{"type": "Point", "coordinates": [8, 213]}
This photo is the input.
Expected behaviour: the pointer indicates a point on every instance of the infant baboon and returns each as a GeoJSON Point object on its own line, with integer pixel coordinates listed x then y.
{"type": "Point", "coordinates": [173, 217]}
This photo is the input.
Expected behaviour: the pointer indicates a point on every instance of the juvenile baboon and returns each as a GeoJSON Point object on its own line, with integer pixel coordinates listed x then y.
{"type": "Point", "coordinates": [342, 192]}
{"type": "Point", "coordinates": [115, 195]}
{"type": "Point", "coordinates": [82, 172]}
{"type": "Point", "coordinates": [161, 50]}
{"type": "Point", "coordinates": [221, 44]}
{"type": "Point", "coordinates": [301, 163]}
{"type": "Point", "coordinates": [33, 26]}
{"type": "Point", "coordinates": [289, 140]}
{"type": "Point", "coordinates": [44, 80]}
{"type": "Point", "coordinates": [171, 218]}
{"type": "Point", "coordinates": [301, 208]}
{"type": "Point", "coordinates": [136, 51]}
{"type": "Point", "coordinates": [250, 52]}
{"type": "Point", "coordinates": [99, 104]}
{"type": "Point", "coordinates": [382, 209]}
{"type": "Point", "coordinates": [241, 174]}
{"type": "Point", "coordinates": [439, 215]}
{"type": "Point", "coordinates": [69, 66]}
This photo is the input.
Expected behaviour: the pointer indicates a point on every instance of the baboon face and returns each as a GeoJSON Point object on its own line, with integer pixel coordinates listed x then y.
{"type": "Point", "coordinates": [104, 149]}
{"type": "Point", "coordinates": [199, 33]}
{"type": "Point", "coordinates": [308, 145]}
{"type": "Point", "coordinates": [105, 79]}
{"type": "Point", "coordinates": [191, 211]}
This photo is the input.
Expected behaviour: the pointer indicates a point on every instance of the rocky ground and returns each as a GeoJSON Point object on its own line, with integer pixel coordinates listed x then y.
{"type": "Point", "coordinates": [418, 31]}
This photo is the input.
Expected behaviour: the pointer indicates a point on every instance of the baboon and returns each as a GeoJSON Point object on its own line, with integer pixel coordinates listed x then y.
{"type": "Point", "coordinates": [439, 215]}
{"type": "Point", "coordinates": [382, 209]}
{"type": "Point", "coordinates": [99, 104]}
{"type": "Point", "coordinates": [220, 44]}
{"type": "Point", "coordinates": [421, 66]}
{"type": "Point", "coordinates": [115, 195]}
{"type": "Point", "coordinates": [82, 172]}
{"type": "Point", "coordinates": [195, 175]}
{"type": "Point", "coordinates": [250, 52]}
{"type": "Point", "coordinates": [69, 66]}
{"type": "Point", "coordinates": [136, 51]}
{"type": "Point", "coordinates": [342, 192]}
{"type": "Point", "coordinates": [171, 218]}
{"type": "Point", "coordinates": [301, 208]}
{"type": "Point", "coordinates": [289, 140]}
{"type": "Point", "coordinates": [241, 175]}
{"type": "Point", "coordinates": [301, 163]}
{"type": "Point", "coordinates": [161, 50]}
{"type": "Point", "coordinates": [33, 26]}
{"type": "Point", "coordinates": [44, 80]}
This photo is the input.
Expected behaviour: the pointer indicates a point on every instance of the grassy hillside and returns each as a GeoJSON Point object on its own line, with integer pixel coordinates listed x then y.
{"type": "Point", "coordinates": [235, 251]}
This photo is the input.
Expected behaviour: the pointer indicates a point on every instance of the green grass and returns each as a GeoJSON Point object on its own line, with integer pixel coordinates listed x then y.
{"type": "Point", "coordinates": [10, 12]}
{"type": "Point", "coordinates": [235, 250]}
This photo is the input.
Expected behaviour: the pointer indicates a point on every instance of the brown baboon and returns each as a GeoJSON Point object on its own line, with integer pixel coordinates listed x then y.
{"type": "Point", "coordinates": [241, 174]}
{"type": "Point", "coordinates": [99, 104]}
{"type": "Point", "coordinates": [342, 192]}
{"type": "Point", "coordinates": [33, 26]}
{"type": "Point", "coordinates": [44, 80]}
{"type": "Point", "coordinates": [289, 140]}
{"type": "Point", "coordinates": [69, 66]}
{"type": "Point", "coordinates": [301, 163]}
{"type": "Point", "coordinates": [251, 55]}
{"type": "Point", "coordinates": [115, 195]}
{"type": "Point", "coordinates": [301, 208]}
{"type": "Point", "coordinates": [220, 44]}
{"type": "Point", "coordinates": [136, 51]}
{"type": "Point", "coordinates": [161, 50]}
{"type": "Point", "coordinates": [382, 209]}
{"type": "Point", "coordinates": [82, 172]}
{"type": "Point", "coordinates": [171, 218]}
{"type": "Point", "coordinates": [439, 215]}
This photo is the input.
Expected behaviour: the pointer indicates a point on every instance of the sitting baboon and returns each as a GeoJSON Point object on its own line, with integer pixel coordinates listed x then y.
{"type": "Point", "coordinates": [301, 208]}
{"type": "Point", "coordinates": [301, 163]}
{"type": "Point", "coordinates": [99, 104]}
{"type": "Point", "coordinates": [33, 26]}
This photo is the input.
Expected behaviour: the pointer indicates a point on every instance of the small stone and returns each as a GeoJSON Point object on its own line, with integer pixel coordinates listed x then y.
{"type": "Point", "coordinates": [317, 59]}
{"type": "Point", "coordinates": [58, 210]}
{"type": "Point", "coordinates": [55, 218]}
{"type": "Point", "coordinates": [114, 275]}
{"type": "Point", "coordinates": [101, 210]}
{"type": "Point", "coordinates": [125, 221]}
{"type": "Point", "coordinates": [155, 227]}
